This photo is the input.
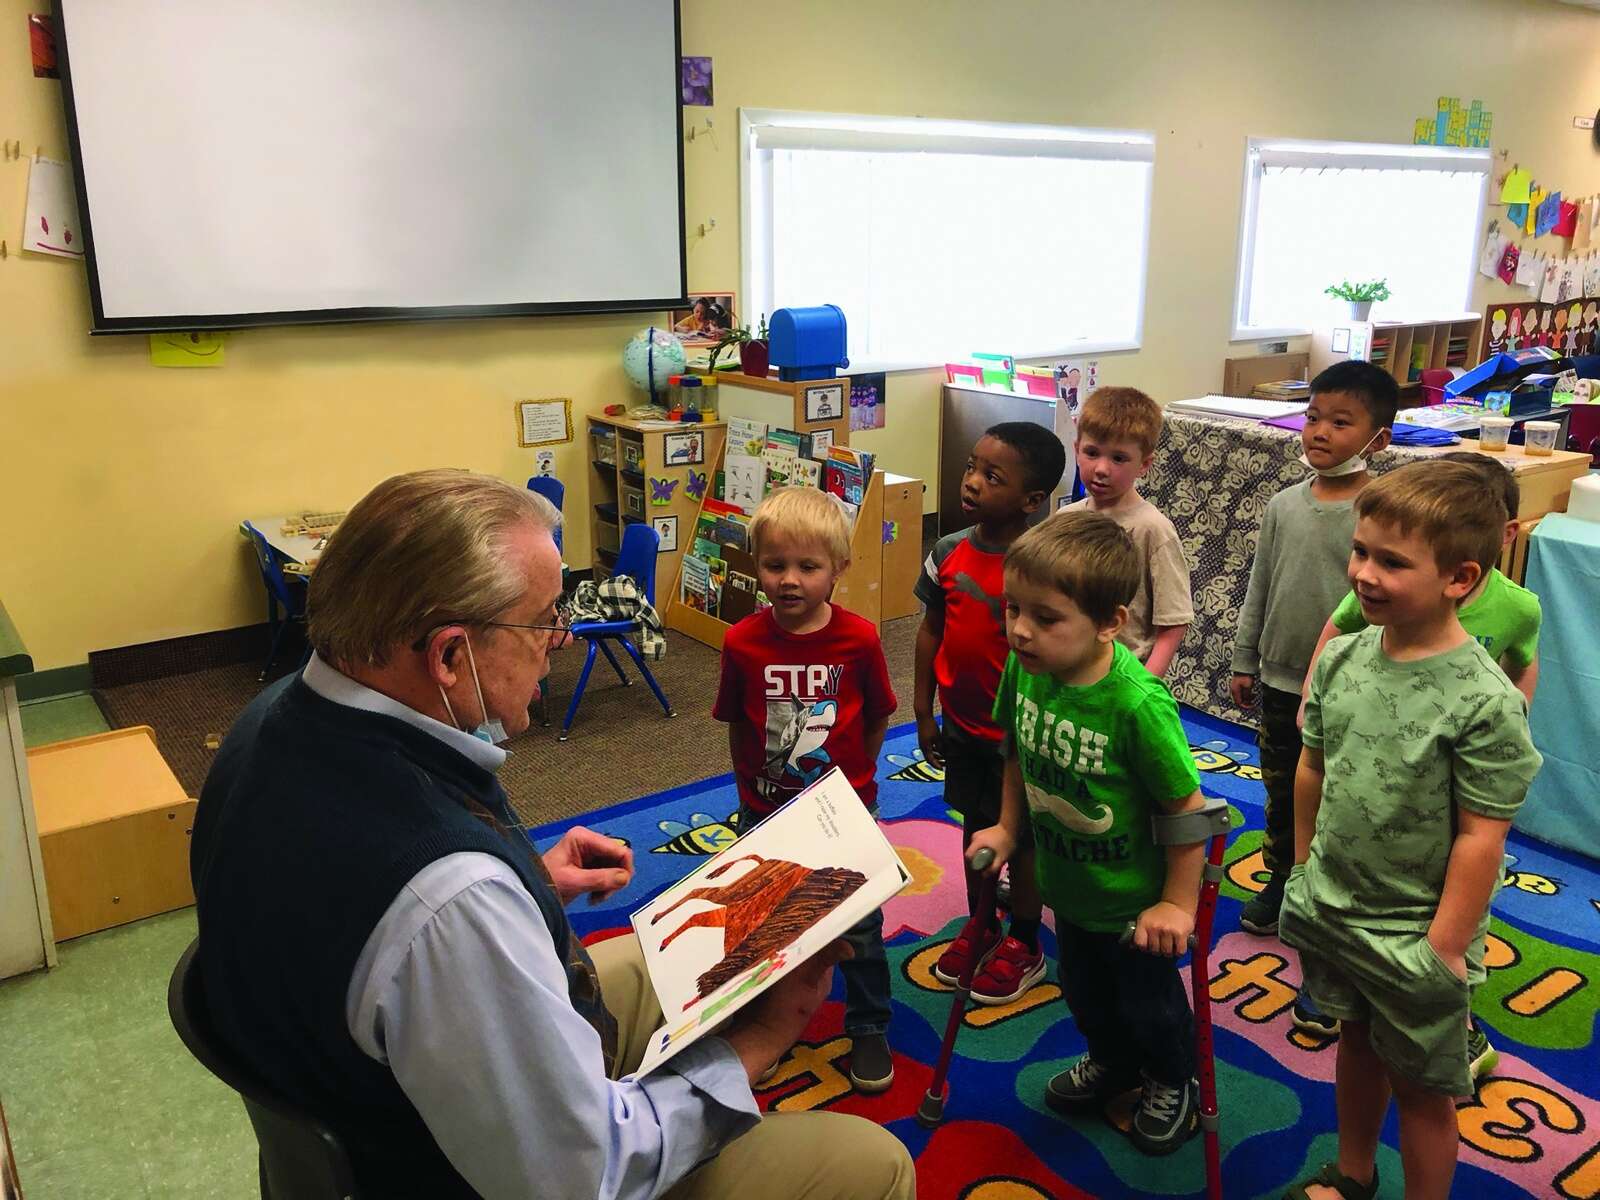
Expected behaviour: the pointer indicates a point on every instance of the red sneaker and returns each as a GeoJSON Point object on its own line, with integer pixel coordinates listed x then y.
{"type": "Point", "coordinates": [971, 945]}
{"type": "Point", "coordinates": [1010, 971]}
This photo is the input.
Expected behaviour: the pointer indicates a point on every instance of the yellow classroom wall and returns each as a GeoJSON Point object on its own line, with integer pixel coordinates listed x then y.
{"type": "Point", "coordinates": [122, 485]}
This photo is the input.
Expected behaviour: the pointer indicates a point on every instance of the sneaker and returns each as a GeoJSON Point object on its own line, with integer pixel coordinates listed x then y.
{"type": "Point", "coordinates": [1085, 1086]}
{"type": "Point", "coordinates": [971, 945]}
{"type": "Point", "coordinates": [1308, 1018]}
{"type": "Point", "coordinates": [1260, 913]}
{"type": "Point", "coordinates": [1168, 1116]}
{"type": "Point", "coordinates": [1010, 970]}
{"type": "Point", "coordinates": [1481, 1056]}
{"type": "Point", "coordinates": [871, 1063]}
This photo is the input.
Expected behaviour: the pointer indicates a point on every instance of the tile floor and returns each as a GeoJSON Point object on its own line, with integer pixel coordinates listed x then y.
{"type": "Point", "coordinates": [102, 1099]}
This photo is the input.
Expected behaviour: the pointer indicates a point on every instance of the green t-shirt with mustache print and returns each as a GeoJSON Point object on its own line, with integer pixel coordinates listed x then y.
{"type": "Point", "coordinates": [1097, 763]}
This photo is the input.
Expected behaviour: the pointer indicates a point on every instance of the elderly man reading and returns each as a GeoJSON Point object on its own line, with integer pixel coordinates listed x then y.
{"type": "Point", "coordinates": [380, 943]}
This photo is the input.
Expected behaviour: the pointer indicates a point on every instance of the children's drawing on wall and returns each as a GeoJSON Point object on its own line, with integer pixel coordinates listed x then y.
{"type": "Point", "coordinates": [759, 912]}
{"type": "Point", "coordinates": [51, 224]}
{"type": "Point", "coordinates": [694, 75]}
{"type": "Point", "coordinates": [42, 41]}
{"type": "Point", "coordinates": [867, 396]}
{"type": "Point", "coordinates": [1497, 331]}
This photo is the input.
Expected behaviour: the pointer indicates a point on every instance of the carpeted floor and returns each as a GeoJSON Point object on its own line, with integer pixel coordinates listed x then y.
{"type": "Point", "coordinates": [622, 746]}
{"type": "Point", "coordinates": [1530, 1131]}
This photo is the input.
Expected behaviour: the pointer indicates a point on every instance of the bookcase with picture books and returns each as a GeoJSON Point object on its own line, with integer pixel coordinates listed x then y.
{"type": "Point", "coordinates": [778, 434]}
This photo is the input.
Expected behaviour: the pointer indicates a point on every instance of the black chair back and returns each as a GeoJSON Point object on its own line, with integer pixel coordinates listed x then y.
{"type": "Point", "coordinates": [301, 1159]}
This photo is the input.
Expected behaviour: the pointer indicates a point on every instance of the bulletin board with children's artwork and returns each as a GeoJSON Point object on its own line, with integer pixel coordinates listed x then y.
{"type": "Point", "coordinates": [1570, 327]}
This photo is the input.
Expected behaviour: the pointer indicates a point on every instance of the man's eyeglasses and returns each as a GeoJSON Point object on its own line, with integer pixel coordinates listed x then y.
{"type": "Point", "coordinates": [560, 633]}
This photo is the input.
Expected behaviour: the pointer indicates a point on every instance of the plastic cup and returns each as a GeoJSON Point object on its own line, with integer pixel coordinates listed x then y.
{"type": "Point", "coordinates": [1494, 433]}
{"type": "Point", "coordinates": [1541, 436]}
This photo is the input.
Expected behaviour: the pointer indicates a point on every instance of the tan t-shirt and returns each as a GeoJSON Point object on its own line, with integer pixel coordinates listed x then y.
{"type": "Point", "coordinates": [1163, 595]}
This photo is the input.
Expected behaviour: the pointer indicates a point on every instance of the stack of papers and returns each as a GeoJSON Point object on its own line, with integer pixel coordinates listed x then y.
{"type": "Point", "coordinates": [1238, 406]}
{"type": "Point", "coordinates": [1451, 416]}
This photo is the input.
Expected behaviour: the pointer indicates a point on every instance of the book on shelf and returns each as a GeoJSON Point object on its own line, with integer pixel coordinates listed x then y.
{"type": "Point", "coordinates": [746, 437]}
{"type": "Point", "coordinates": [695, 584]}
{"type": "Point", "coordinates": [782, 466]}
{"type": "Point", "coordinates": [744, 481]}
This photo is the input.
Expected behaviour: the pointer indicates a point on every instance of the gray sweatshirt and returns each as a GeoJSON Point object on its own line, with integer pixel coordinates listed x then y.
{"type": "Point", "coordinates": [1296, 581]}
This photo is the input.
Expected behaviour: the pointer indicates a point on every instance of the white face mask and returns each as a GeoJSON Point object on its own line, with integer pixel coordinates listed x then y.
{"type": "Point", "coordinates": [1349, 466]}
{"type": "Point", "coordinates": [491, 731]}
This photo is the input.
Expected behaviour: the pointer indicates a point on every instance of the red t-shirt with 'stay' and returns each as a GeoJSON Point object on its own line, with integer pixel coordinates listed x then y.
{"type": "Point", "coordinates": [799, 705]}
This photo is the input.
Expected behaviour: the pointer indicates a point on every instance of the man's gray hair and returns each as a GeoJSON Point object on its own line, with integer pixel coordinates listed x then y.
{"type": "Point", "coordinates": [416, 552]}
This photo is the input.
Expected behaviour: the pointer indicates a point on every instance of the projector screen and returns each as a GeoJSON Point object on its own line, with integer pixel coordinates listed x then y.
{"type": "Point", "coordinates": [257, 162]}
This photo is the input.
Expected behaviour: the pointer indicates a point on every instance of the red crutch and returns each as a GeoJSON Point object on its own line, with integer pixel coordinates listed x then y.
{"type": "Point", "coordinates": [931, 1111]}
{"type": "Point", "coordinates": [1209, 824]}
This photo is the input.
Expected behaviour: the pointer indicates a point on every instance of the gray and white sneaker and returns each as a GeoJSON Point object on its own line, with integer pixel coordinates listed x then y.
{"type": "Point", "coordinates": [1168, 1116]}
{"type": "Point", "coordinates": [871, 1063]}
{"type": "Point", "coordinates": [1085, 1086]}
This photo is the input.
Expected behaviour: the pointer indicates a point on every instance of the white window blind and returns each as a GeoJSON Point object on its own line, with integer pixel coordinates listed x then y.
{"type": "Point", "coordinates": [1319, 213]}
{"type": "Point", "coordinates": [939, 238]}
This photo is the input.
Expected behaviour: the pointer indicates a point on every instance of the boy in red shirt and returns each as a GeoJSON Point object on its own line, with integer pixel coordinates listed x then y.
{"type": "Point", "coordinates": [962, 648]}
{"type": "Point", "coordinates": [805, 688]}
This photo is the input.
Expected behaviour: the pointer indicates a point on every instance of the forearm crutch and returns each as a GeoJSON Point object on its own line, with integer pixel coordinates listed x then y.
{"type": "Point", "coordinates": [1209, 824]}
{"type": "Point", "coordinates": [931, 1111]}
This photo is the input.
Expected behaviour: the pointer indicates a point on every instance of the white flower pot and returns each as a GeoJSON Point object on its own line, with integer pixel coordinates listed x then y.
{"type": "Point", "coordinates": [1360, 310]}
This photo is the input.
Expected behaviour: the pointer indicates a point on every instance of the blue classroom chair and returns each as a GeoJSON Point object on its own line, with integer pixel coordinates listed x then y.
{"type": "Point", "coordinates": [553, 490]}
{"type": "Point", "coordinates": [637, 560]}
{"type": "Point", "coordinates": [281, 593]}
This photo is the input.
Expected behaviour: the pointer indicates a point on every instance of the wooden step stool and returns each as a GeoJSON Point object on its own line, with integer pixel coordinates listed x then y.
{"type": "Point", "coordinates": [114, 829]}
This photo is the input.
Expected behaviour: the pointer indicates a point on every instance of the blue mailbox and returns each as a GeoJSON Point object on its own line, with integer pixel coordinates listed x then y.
{"type": "Point", "coordinates": [808, 343]}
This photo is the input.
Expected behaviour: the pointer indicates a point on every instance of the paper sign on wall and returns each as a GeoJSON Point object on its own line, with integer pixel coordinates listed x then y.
{"type": "Point", "coordinates": [51, 225]}
{"type": "Point", "coordinates": [544, 422]}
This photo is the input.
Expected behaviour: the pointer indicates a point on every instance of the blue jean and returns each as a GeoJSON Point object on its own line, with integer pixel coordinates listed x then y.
{"type": "Point", "coordinates": [866, 972]}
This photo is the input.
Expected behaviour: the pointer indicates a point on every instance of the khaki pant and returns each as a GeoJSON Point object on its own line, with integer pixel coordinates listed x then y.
{"type": "Point", "coordinates": [789, 1156]}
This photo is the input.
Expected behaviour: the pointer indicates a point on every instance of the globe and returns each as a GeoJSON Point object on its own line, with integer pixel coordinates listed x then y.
{"type": "Point", "coordinates": [652, 356]}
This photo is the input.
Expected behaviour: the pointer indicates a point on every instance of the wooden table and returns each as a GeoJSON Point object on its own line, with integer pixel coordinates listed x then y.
{"type": "Point", "coordinates": [1545, 481]}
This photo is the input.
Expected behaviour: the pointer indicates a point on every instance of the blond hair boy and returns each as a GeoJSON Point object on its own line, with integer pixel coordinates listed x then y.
{"type": "Point", "coordinates": [1118, 429]}
{"type": "Point", "coordinates": [804, 689]}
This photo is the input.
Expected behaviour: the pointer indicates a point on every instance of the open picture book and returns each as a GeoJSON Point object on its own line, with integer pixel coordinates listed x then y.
{"type": "Point", "coordinates": [786, 888]}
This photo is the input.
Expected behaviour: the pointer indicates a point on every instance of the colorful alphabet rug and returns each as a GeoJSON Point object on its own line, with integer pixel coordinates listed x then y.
{"type": "Point", "coordinates": [1532, 1130]}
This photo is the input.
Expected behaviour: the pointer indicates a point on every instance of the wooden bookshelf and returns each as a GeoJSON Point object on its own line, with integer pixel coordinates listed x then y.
{"type": "Point", "coordinates": [1402, 349]}
{"type": "Point", "coordinates": [776, 404]}
{"type": "Point", "coordinates": [620, 490]}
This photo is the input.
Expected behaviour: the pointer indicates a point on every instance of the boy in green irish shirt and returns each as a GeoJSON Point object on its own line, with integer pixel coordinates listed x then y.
{"type": "Point", "coordinates": [1094, 749]}
{"type": "Point", "coordinates": [1416, 758]}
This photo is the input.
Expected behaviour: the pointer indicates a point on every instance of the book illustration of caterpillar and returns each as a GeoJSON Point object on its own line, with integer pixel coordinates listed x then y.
{"type": "Point", "coordinates": [761, 912]}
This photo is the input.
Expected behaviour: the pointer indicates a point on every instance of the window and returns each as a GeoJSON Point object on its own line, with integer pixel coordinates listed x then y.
{"type": "Point", "coordinates": [939, 238]}
{"type": "Point", "coordinates": [1318, 213]}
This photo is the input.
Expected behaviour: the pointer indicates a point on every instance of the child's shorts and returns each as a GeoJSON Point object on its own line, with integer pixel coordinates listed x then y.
{"type": "Point", "coordinates": [974, 773]}
{"type": "Point", "coordinates": [1415, 1006]}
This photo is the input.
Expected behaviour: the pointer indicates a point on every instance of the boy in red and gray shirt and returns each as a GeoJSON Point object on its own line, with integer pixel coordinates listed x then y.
{"type": "Point", "coordinates": [962, 649]}
{"type": "Point", "coordinates": [805, 689]}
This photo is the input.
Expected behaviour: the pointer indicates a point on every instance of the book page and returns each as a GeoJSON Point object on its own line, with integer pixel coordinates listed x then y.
{"type": "Point", "coordinates": [760, 908]}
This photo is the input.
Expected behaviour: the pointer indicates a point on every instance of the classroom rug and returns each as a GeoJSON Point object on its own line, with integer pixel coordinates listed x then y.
{"type": "Point", "coordinates": [1533, 1129]}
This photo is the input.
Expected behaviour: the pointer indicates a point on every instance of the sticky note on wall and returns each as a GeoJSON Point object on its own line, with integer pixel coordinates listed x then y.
{"type": "Point", "coordinates": [186, 349]}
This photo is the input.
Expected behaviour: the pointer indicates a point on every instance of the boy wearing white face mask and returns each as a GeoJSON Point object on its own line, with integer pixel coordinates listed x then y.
{"type": "Point", "coordinates": [1296, 581]}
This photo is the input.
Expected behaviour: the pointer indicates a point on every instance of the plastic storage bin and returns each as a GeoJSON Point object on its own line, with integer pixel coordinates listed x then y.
{"type": "Point", "coordinates": [632, 504]}
{"type": "Point", "coordinates": [808, 343]}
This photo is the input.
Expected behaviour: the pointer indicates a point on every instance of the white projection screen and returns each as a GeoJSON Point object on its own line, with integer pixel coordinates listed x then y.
{"type": "Point", "coordinates": [260, 162]}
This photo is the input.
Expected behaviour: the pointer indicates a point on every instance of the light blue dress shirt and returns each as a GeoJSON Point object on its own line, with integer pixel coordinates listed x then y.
{"type": "Point", "coordinates": [460, 992]}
